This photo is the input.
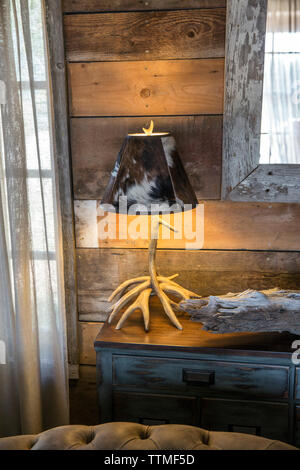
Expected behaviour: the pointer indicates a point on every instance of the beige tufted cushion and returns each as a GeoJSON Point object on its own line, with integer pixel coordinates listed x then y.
{"type": "Point", "coordinates": [132, 436]}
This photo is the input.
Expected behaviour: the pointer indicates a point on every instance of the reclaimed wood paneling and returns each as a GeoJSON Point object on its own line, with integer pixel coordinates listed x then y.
{"type": "Point", "coordinates": [187, 34]}
{"type": "Point", "coordinates": [245, 38]}
{"type": "Point", "coordinates": [98, 229]}
{"type": "Point", "coordinates": [251, 226]}
{"type": "Point", "coordinates": [227, 225]}
{"type": "Point", "coordinates": [96, 143]}
{"type": "Point", "coordinates": [205, 272]}
{"type": "Point", "coordinates": [87, 336]}
{"type": "Point", "coordinates": [146, 88]}
{"type": "Point", "coordinates": [84, 397]}
{"type": "Point", "coordinates": [71, 6]}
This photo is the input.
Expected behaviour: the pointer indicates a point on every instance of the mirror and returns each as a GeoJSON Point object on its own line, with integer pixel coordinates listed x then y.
{"type": "Point", "coordinates": [261, 131]}
{"type": "Point", "coordinates": [280, 123]}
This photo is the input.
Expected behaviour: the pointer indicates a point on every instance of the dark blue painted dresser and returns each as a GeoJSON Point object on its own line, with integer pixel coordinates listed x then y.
{"type": "Point", "coordinates": [242, 382]}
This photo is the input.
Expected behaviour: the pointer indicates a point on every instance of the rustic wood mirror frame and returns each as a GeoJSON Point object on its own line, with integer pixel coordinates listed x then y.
{"type": "Point", "coordinates": [243, 178]}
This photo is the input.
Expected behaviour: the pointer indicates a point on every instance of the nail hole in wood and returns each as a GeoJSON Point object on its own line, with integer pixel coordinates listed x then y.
{"type": "Point", "coordinates": [145, 93]}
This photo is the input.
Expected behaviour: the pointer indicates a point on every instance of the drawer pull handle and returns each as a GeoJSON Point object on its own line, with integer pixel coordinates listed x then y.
{"type": "Point", "coordinates": [198, 377]}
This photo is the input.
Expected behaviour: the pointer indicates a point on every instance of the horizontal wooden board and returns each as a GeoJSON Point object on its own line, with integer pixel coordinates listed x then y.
{"type": "Point", "coordinates": [96, 143]}
{"type": "Point", "coordinates": [87, 335]}
{"type": "Point", "coordinates": [164, 87]}
{"type": "Point", "coordinates": [96, 228]}
{"type": "Point", "coordinates": [251, 226]}
{"type": "Point", "coordinates": [100, 271]}
{"type": "Point", "coordinates": [154, 35]}
{"type": "Point", "coordinates": [227, 225]}
{"type": "Point", "coordinates": [123, 5]}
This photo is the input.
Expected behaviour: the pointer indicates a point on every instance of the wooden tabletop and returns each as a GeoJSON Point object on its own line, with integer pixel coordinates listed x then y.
{"type": "Point", "coordinates": [165, 336]}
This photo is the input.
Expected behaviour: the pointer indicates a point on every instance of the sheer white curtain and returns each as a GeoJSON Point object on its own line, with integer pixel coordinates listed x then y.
{"type": "Point", "coordinates": [33, 370]}
{"type": "Point", "coordinates": [280, 139]}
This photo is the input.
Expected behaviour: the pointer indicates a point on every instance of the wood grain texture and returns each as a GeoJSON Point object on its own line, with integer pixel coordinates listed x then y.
{"type": "Point", "coordinates": [98, 229]}
{"type": "Point", "coordinates": [245, 37]}
{"type": "Point", "coordinates": [96, 143]}
{"type": "Point", "coordinates": [274, 183]}
{"type": "Point", "coordinates": [55, 43]}
{"type": "Point", "coordinates": [84, 397]}
{"type": "Point", "coordinates": [123, 5]}
{"type": "Point", "coordinates": [251, 226]}
{"type": "Point", "coordinates": [154, 35]}
{"type": "Point", "coordinates": [226, 226]}
{"type": "Point", "coordinates": [100, 271]}
{"type": "Point", "coordinates": [162, 336]}
{"type": "Point", "coordinates": [87, 335]}
{"type": "Point", "coordinates": [146, 88]}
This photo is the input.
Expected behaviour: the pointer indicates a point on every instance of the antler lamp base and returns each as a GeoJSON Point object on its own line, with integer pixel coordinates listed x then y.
{"type": "Point", "coordinates": [141, 288]}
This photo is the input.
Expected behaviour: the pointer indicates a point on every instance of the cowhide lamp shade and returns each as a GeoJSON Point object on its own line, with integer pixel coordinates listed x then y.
{"type": "Point", "coordinates": [149, 171]}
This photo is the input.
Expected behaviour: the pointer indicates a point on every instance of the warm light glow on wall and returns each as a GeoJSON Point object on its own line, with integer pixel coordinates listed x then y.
{"type": "Point", "coordinates": [133, 231]}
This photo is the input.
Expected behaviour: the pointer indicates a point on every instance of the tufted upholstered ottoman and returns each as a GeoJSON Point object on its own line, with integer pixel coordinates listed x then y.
{"type": "Point", "coordinates": [132, 436]}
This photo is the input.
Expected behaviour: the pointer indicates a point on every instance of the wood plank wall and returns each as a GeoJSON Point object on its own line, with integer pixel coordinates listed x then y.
{"type": "Point", "coordinates": [130, 61]}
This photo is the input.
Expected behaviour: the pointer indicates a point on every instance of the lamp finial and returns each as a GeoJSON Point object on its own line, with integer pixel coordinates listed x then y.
{"type": "Point", "coordinates": [150, 128]}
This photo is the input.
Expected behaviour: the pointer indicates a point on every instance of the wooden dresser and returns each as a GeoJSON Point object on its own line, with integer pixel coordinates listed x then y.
{"type": "Point", "coordinates": [232, 382]}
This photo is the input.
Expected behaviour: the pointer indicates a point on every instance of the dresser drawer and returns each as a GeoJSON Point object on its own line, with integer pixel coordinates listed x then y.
{"type": "Point", "coordinates": [260, 418]}
{"type": "Point", "coordinates": [153, 409]}
{"type": "Point", "coordinates": [184, 375]}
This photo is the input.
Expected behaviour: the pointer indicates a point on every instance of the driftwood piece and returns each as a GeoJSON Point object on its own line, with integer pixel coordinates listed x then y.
{"type": "Point", "coordinates": [254, 311]}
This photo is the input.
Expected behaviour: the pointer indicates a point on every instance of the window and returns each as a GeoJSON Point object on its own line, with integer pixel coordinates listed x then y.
{"type": "Point", "coordinates": [26, 150]}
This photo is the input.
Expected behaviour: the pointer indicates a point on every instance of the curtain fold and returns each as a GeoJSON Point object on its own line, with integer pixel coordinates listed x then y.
{"type": "Point", "coordinates": [280, 140]}
{"type": "Point", "coordinates": [33, 391]}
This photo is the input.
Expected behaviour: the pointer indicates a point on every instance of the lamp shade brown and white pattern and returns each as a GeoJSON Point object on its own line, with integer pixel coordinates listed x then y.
{"type": "Point", "coordinates": [149, 171]}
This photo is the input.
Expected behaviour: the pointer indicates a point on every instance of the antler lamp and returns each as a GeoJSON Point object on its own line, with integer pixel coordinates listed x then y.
{"type": "Point", "coordinates": [149, 175]}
